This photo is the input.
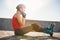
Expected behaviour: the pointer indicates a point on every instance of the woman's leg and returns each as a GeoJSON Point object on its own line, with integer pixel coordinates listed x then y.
{"type": "Point", "coordinates": [27, 29]}
{"type": "Point", "coordinates": [24, 30]}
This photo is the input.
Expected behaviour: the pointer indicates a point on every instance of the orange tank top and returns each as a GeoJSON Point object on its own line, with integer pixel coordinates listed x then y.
{"type": "Point", "coordinates": [15, 24]}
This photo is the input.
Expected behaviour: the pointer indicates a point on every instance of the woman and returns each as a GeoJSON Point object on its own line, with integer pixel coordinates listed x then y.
{"type": "Point", "coordinates": [18, 21]}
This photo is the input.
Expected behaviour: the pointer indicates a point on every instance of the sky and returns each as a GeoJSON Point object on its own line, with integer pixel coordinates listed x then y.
{"type": "Point", "coordinates": [47, 10]}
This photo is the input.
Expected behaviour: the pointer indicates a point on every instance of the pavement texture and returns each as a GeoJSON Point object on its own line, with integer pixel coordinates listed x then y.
{"type": "Point", "coordinates": [9, 35]}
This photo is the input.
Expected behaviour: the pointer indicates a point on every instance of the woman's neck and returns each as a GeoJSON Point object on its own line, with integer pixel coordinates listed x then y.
{"type": "Point", "coordinates": [19, 12]}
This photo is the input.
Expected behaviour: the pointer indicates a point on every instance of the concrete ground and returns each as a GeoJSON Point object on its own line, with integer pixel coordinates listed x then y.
{"type": "Point", "coordinates": [9, 35]}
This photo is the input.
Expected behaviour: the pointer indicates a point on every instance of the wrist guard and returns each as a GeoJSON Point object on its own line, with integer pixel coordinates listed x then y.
{"type": "Point", "coordinates": [24, 15]}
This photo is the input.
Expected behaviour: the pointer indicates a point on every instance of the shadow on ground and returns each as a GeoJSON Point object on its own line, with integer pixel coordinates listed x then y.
{"type": "Point", "coordinates": [29, 38]}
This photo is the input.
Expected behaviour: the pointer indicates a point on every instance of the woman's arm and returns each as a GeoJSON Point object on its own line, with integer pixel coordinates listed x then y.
{"type": "Point", "coordinates": [23, 20]}
{"type": "Point", "coordinates": [19, 18]}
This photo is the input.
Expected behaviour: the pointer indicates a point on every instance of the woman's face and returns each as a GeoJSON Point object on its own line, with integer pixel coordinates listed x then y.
{"type": "Point", "coordinates": [22, 9]}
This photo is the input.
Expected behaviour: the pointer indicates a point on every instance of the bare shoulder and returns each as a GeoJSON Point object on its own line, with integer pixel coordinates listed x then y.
{"type": "Point", "coordinates": [15, 15]}
{"type": "Point", "coordinates": [18, 15]}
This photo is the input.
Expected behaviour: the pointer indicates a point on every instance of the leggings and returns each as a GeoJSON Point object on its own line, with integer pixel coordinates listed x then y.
{"type": "Point", "coordinates": [27, 29]}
